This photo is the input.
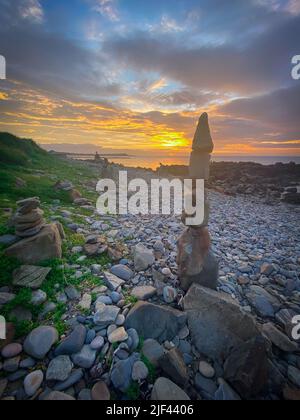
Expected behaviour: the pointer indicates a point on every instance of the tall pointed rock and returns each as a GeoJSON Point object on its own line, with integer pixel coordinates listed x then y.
{"type": "Point", "coordinates": [202, 139]}
{"type": "Point", "coordinates": [202, 147]}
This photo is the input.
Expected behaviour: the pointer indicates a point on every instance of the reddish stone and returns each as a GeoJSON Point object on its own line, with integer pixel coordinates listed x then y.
{"type": "Point", "coordinates": [100, 392]}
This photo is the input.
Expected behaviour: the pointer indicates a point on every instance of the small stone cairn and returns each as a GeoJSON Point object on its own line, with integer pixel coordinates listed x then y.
{"type": "Point", "coordinates": [28, 220]}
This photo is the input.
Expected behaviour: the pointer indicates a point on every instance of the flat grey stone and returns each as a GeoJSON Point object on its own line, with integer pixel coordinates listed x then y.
{"type": "Point", "coordinates": [39, 342]}
{"type": "Point", "coordinates": [106, 315]}
{"type": "Point", "coordinates": [59, 369]}
{"type": "Point", "coordinates": [112, 282]}
{"type": "Point", "coordinates": [85, 358]}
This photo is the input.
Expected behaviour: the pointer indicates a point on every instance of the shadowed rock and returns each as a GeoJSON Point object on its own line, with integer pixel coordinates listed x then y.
{"type": "Point", "coordinates": [47, 244]}
{"type": "Point", "coordinates": [153, 321]}
{"type": "Point", "coordinates": [216, 322]}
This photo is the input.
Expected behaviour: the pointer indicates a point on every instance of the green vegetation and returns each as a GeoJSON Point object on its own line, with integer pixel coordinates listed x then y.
{"type": "Point", "coordinates": [16, 152]}
{"type": "Point", "coordinates": [28, 171]}
{"type": "Point", "coordinates": [133, 392]}
{"type": "Point", "coordinates": [151, 368]}
{"type": "Point", "coordinates": [7, 266]}
{"type": "Point", "coordinates": [76, 240]}
{"type": "Point", "coordinates": [24, 159]}
{"type": "Point", "coordinates": [23, 328]}
{"type": "Point", "coordinates": [129, 299]}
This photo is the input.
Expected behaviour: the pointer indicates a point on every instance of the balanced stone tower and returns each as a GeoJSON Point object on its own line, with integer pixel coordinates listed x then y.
{"type": "Point", "coordinates": [196, 261]}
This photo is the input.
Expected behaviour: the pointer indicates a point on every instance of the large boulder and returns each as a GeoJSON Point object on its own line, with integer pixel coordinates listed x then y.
{"type": "Point", "coordinates": [47, 244]}
{"type": "Point", "coordinates": [247, 368]}
{"type": "Point", "coordinates": [217, 324]}
{"type": "Point", "coordinates": [158, 322]}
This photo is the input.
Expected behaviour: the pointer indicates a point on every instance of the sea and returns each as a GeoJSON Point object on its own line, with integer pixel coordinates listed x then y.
{"type": "Point", "coordinates": [153, 162]}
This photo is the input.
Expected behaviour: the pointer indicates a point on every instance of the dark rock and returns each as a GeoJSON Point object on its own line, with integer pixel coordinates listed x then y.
{"type": "Point", "coordinates": [59, 369]}
{"type": "Point", "coordinates": [206, 387]}
{"type": "Point", "coordinates": [226, 393]}
{"type": "Point", "coordinates": [159, 322]}
{"type": "Point", "coordinates": [166, 390]}
{"type": "Point", "coordinates": [216, 322]}
{"type": "Point", "coordinates": [85, 358]}
{"type": "Point", "coordinates": [73, 343]}
{"type": "Point", "coordinates": [247, 368]}
{"type": "Point", "coordinates": [153, 351]}
{"type": "Point", "coordinates": [262, 301]}
{"type": "Point", "coordinates": [75, 377]}
{"type": "Point", "coordinates": [39, 342]}
{"type": "Point", "coordinates": [173, 366]}
{"type": "Point", "coordinates": [46, 245]}
{"type": "Point", "coordinates": [59, 396]}
{"type": "Point", "coordinates": [122, 372]}
{"type": "Point", "coordinates": [122, 271]}
{"type": "Point", "coordinates": [100, 392]}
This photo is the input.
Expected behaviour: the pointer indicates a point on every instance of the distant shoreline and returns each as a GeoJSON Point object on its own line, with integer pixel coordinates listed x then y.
{"type": "Point", "coordinates": [154, 162]}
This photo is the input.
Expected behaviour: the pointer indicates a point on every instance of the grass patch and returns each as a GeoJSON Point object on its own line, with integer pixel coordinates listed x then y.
{"type": "Point", "coordinates": [88, 281]}
{"type": "Point", "coordinates": [102, 260]}
{"type": "Point", "coordinates": [56, 280]}
{"type": "Point", "coordinates": [56, 318]}
{"type": "Point", "coordinates": [7, 266]}
{"type": "Point", "coordinates": [23, 328]}
{"type": "Point", "coordinates": [21, 158]}
{"type": "Point", "coordinates": [130, 300]}
{"type": "Point", "coordinates": [133, 392]}
{"type": "Point", "coordinates": [6, 230]}
{"type": "Point", "coordinates": [151, 368]}
{"type": "Point", "coordinates": [76, 240]}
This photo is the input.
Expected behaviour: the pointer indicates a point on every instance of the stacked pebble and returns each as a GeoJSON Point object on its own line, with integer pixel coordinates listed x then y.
{"type": "Point", "coordinates": [28, 220]}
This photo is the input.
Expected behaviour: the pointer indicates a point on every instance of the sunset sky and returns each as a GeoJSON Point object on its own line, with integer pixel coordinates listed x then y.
{"type": "Point", "coordinates": [134, 75]}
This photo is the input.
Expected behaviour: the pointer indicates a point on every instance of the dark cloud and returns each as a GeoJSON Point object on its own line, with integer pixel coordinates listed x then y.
{"type": "Point", "coordinates": [263, 65]}
{"type": "Point", "coordinates": [50, 61]}
{"type": "Point", "coordinates": [277, 112]}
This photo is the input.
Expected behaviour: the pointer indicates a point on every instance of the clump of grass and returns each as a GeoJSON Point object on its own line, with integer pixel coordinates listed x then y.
{"type": "Point", "coordinates": [130, 300]}
{"type": "Point", "coordinates": [102, 260]}
{"type": "Point", "coordinates": [141, 344]}
{"type": "Point", "coordinates": [6, 230]}
{"type": "Point", "coordinates": [56, 277]}
{"type": "Point", "coordinates": [87, 281]}
{"type": "Point", "coordinates": [23, 328]}
{"type": "Point", "coordinates": [7, 266]}
{"type": "Point", "coordinates": [56, 318]}
{"type": "Point", "coordinates": [94, 297]}
{"type": "Point", "coordinates": [22, 299]}
{"type": "Point", "coordinates": [151, 368]}
{"type": "Point", "coordinates": [133, 392]}
{"type": "Point", "coordinates": [76, 240]}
